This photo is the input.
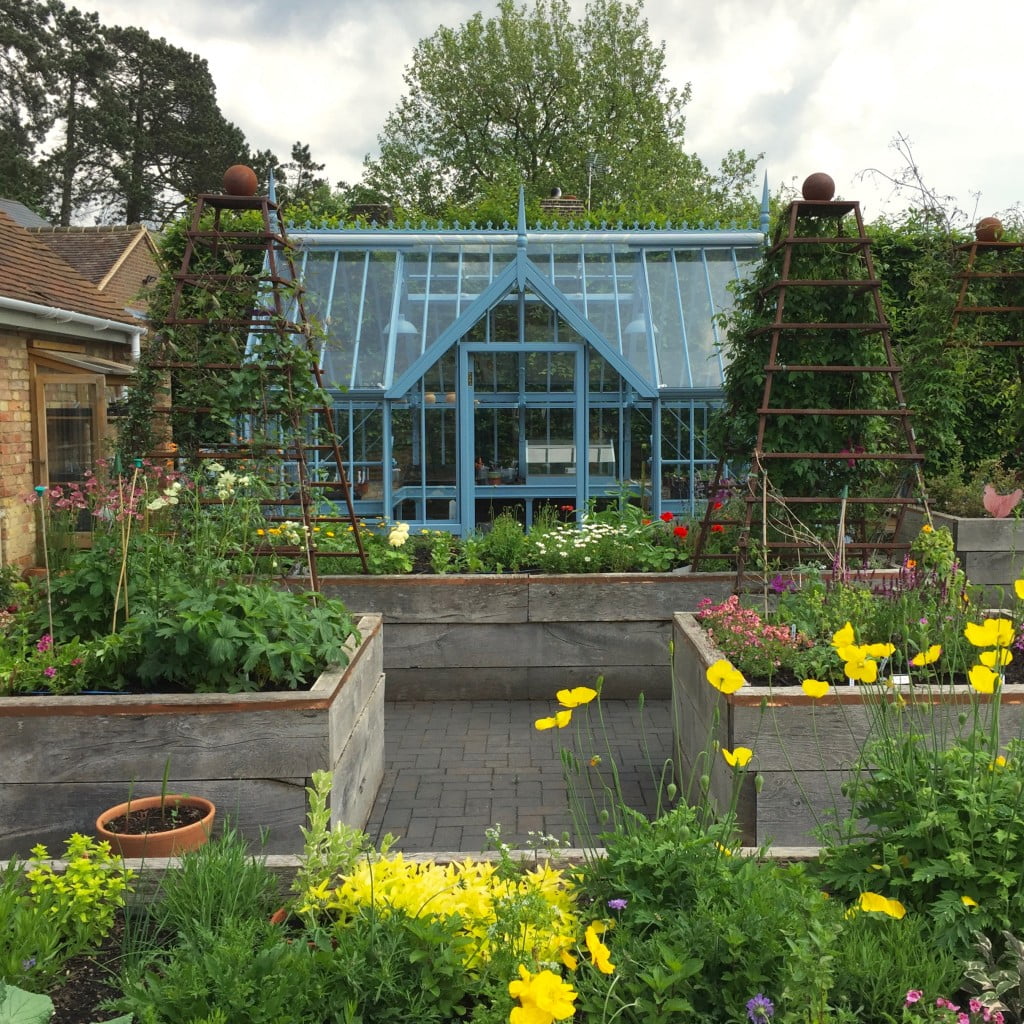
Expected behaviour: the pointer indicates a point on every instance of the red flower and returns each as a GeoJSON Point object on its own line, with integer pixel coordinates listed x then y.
{"type": "Point", "coordinates": [646, 522]}
{"type": "Point", "coordinates": [718, 528]}
{"type": "Point", "coordinates": [567, 508]}
{"type": "Point", "coordinates": [667, 517]}
{"type": "Point", "coordinates": [717, 505]}
{"type": "Point", "coordinates": [680, 531]}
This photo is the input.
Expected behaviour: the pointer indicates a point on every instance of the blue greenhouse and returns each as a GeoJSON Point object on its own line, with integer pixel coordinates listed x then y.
{"type": "Point", "coordinates": [477, 370]}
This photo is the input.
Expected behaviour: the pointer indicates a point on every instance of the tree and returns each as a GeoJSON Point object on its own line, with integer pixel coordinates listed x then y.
{"type": "Point", "coordinates": [78, 63]}
{"type": "Point", "coordinates": [161, 130]}
{"type": "Point", "coordinates": [530, 96]}
{"type": "Point", "coordinates": [23, 103]}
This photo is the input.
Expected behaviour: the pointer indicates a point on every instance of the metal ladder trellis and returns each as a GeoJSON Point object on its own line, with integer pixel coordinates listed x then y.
{"type": "Point", "coordinates": [212, 248]}
{"type": "Point", "coordinates": [761, 500]}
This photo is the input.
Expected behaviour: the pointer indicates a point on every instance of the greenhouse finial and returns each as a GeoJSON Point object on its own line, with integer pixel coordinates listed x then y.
{"type": "Point", "coordinates": [765, 221]}
{"type": "Point", "coordinates": [521, 220]}
{"type": "Point", "coordinates": [271, 185]}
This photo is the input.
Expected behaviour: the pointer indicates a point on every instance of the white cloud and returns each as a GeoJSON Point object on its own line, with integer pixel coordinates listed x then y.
{"type": "Point", "coordinates": [814, 84]}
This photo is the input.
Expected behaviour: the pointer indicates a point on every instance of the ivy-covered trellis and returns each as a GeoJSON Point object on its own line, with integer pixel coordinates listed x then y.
{"type": "Point", "coordinates": [814, 400]}
{"type": "Point", "coordinates": [232, 374]}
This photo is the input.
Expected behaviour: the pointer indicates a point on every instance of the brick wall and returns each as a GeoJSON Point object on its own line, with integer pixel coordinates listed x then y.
{"type": "Point", "coordinates": [17, 528]}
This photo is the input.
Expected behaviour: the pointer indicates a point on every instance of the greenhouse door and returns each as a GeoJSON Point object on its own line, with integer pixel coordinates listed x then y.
{"type": "Point", "coordinates": [519, 449]}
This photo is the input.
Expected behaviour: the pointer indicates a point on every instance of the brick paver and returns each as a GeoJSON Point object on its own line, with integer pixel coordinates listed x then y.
{"type": "Point", "coordinates": [452, 770]}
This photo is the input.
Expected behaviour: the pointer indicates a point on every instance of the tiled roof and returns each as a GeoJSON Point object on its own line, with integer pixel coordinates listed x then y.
{"type": "Point", "coordinates": [32, 272]}
{"type": "Point", "coordinates": [92, 251]}
{"type": "Point", "coordinates": [21, 214]}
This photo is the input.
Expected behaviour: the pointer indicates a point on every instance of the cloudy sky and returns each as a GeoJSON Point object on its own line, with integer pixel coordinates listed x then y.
{"type": "Point", "coordinates": [812, 84]}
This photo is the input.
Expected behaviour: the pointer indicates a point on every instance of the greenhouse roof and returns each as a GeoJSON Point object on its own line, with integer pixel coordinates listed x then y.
{"type": "Point", "coordinates": [394, 300]}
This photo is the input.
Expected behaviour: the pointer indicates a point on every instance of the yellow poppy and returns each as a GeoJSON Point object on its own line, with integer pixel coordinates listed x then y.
{"type": "Point", "coordinates": [599, 952]}
{"type": "Point", "coordinates": [990, 633]}
{"type": "Point", "coordinates": [723, 676]}
{"type": "Point", "coordinates": [844, 637]}
{"type": "Point", "coordinates": [967, 901]}
{"type": "Point", "coordinates": [926, 657]}
{"type": "Point", "coordinates": [738, 758]}
{"type": "Point", "coordinates": [814, 687]}
{"type": "Point", "coordinates": [558, 721]}
{"type": "Point", "coordinates": [983, 679]}
{"type": "Point", "coordinates": [874, 902]}
{"type": "Point", "coordinates": [575, 697]}
{"type": "Point", "coordinates": [1018, 588]}
{"type": "Point", "coordinates": [999, 658]}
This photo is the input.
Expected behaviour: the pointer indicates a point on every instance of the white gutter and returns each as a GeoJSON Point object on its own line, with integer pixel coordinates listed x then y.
{"type": "Point", "coordinates": [65, 322]}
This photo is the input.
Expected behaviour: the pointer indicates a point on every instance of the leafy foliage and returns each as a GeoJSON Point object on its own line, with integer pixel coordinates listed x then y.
{"type": "Point", "coordinates": [532, 95]}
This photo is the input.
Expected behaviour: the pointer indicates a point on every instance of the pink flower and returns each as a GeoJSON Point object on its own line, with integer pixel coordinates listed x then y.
{"type": "Point", "coordinates": [50, 671]}
{"type": "Point", "coordinates": [974, 1005]}
{"type": "Point", "coordinates": [913, 996]}
{"type": "Point", "coordinates": [45, 643]}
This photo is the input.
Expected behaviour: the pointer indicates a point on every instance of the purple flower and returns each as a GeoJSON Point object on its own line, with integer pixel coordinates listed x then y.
{"type": "Point", "coordinates": [779, 585]}
{"type": "Point", "coordinates": [760, 1009]}
{"type": "Point", "coordinates": [28, 964]}
{"type": "Point", "coordinates": [618, 904]}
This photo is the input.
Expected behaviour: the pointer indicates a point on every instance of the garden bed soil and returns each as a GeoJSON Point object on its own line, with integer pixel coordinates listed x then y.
{"type": "Point", "coordinates": [87, 981]}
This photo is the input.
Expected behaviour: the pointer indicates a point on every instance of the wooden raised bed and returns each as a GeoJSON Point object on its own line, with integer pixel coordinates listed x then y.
{"type": "Point", "coordinates": [521, 636]}
{"type": "Point", "coordinates": [991, 551]}
{"type": "Point", "coordinates": [65, 759]}
{"type": "Point", "coordinates": [803, 748]}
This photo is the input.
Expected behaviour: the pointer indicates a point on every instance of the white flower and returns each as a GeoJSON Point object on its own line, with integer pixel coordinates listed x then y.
{"type": "Point", "coordinates": [215, 467]}
{"type": "Point", "coordinates": [156, 504]}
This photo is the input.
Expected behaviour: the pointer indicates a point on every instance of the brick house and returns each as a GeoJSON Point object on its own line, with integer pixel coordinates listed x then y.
{"type": "Point", "coordinates": [67, 347]}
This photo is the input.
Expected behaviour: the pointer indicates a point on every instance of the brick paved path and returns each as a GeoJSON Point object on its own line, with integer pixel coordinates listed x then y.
{"type": "Point", "coordinates": [453, 769]}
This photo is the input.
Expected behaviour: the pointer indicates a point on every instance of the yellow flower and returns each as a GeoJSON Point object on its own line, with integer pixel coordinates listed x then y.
{"type": "Point", "coordinates": [844, 637]}
{"type": "Point", "coordinates": [968, 902]}
{"type": "Point", "coordinates": [814, 688]}
{"type": "Point", "coordinates": [861, 668]}
{"type": "Point", "coordinates": [999, 658]}
{"type": "Point", "coordinates": [569, 960]}
{"type": "Point", "coordinates": [738, 758]}
{"type": "Point", "coordinates": [990, 633]}
{"type": "Point", "coordinates": [926, 657]}
{"type": "Point", "coordinates": [260, 533]}
{"type": "Point", "coordinates": [927, 528]}
{"type": "Point", "coordinates": [999, 762]}
{"type": "Point", "coordinates": [599, 952]}
{"type": "Point", "coordinates": [880, 650]}
{"type": "Point", "coordinates": [560, 720]}
{"type": "Point", "coordinates": [876, 903]}
{"type": "Point", "coordinates": [982, 678]}
{"type": "Point", "coordinates": [544, 998]}
{"type": "Point", "coordinates": [1018, 587]}
{"type": "Point", "coordinates": [723, 676]}
{"type": "Point", "coordinates": [575, 697]}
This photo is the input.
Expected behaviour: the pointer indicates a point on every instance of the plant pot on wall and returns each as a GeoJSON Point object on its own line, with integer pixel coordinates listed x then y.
{"type": "Point", "coordinates": [157, 826]}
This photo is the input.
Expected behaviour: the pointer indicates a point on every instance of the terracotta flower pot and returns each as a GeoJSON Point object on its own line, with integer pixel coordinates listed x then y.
{"type": "Point", "coordinates": [169, 843]}
{"type": "Point", "coordinates": [240, 180]}
{"type": "Point", "coordinates": [818, 187]}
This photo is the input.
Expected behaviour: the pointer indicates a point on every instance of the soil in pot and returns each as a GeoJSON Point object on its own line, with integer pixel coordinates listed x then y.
{"type": "Point", "coordinates": [155, 819]}
{"type": "Point", "coordinates": [157, 826]}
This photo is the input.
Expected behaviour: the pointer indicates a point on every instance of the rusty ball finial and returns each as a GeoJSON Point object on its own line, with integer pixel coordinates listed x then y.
{"type": "Point", "coordinates": [240, 180]}
{"type": "Point", "coordinates": [988, 229]}
{"type": "Point", "coordinates": [818, 187]}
